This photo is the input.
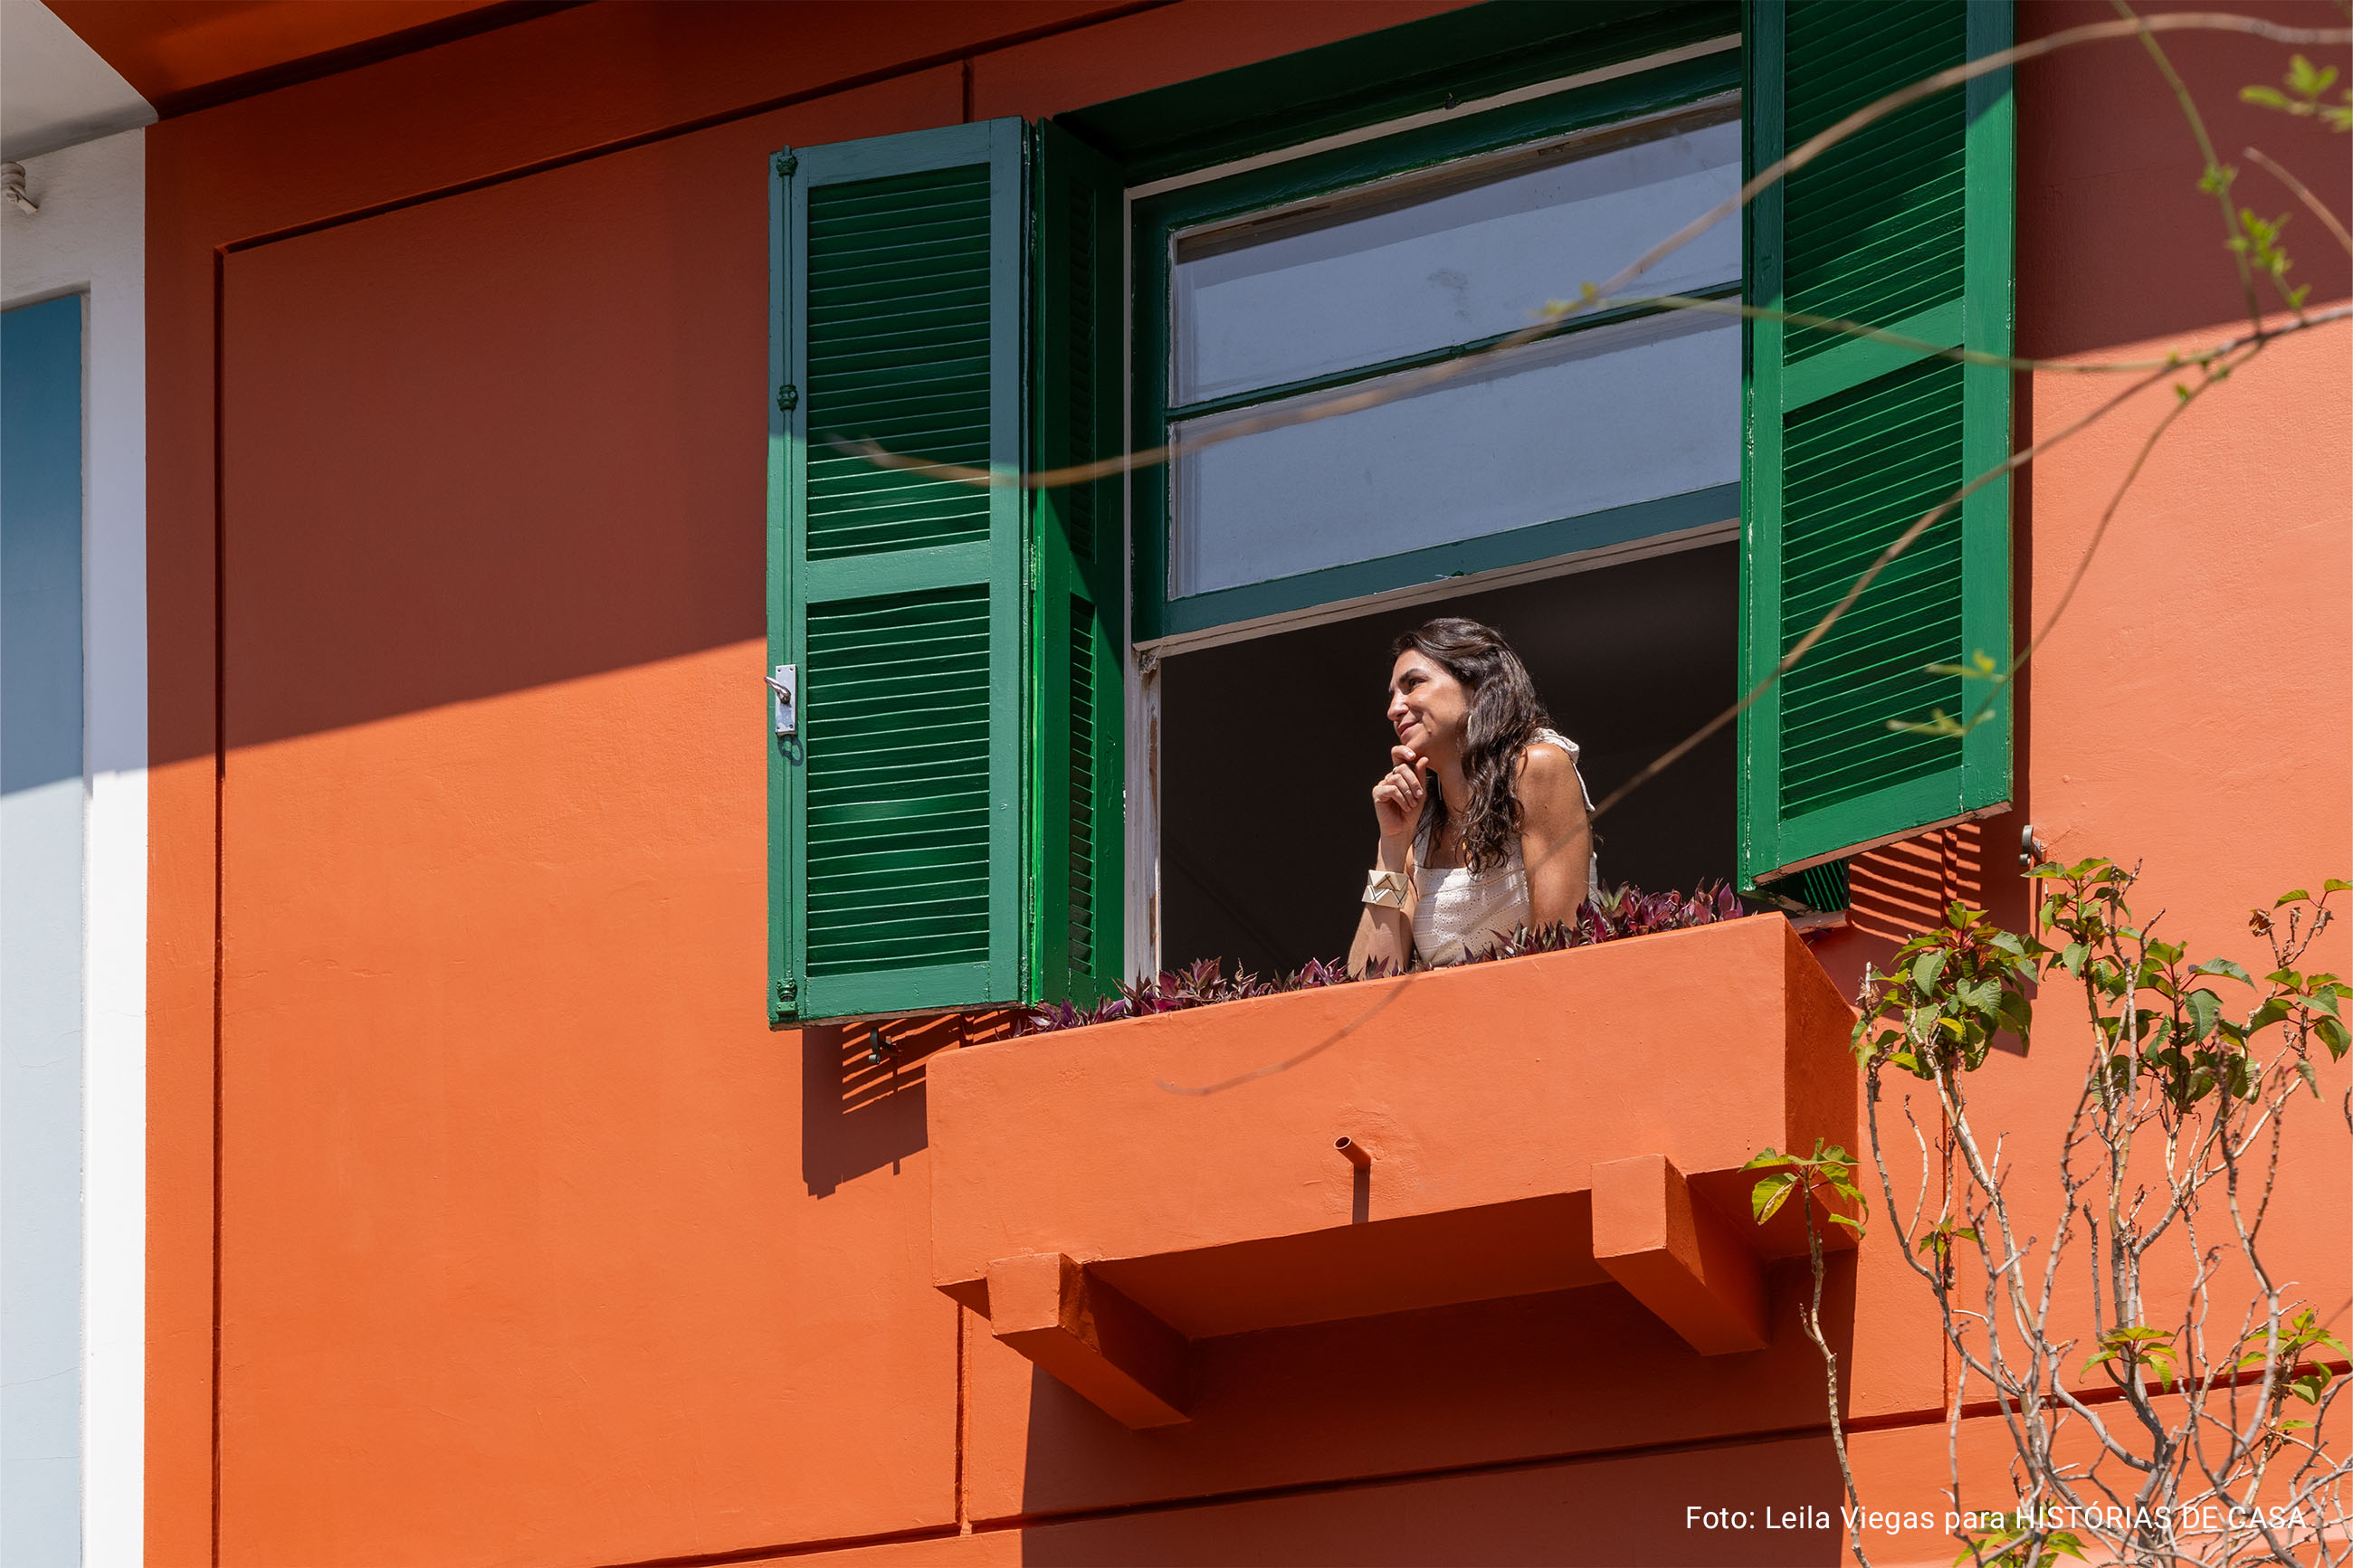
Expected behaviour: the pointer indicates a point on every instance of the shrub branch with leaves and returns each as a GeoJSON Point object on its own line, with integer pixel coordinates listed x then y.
{"type": "Point", "coordinates": [1819, 1180]}
{"type": "Point", "coordinates": [2206, 1444]}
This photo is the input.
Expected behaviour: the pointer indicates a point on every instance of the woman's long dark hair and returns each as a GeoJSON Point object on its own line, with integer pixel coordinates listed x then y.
{"type": "Point", "coordinates": [1504, 715]}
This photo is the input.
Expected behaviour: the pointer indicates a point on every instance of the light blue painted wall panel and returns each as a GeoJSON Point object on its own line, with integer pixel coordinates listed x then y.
{"type": "Point", "coordinates": [40, 933]}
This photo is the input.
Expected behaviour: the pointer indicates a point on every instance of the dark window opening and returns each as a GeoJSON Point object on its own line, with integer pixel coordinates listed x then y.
{"type": "Point", "coordinates": [1270, 748]}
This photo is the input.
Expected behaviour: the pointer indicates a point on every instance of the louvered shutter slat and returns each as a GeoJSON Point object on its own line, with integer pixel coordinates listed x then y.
{"type": "Point", "coordinates": [1905, 225]}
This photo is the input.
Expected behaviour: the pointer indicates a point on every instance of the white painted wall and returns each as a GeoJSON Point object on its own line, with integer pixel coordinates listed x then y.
{"type": "Point", "coordinates": [90, 236]}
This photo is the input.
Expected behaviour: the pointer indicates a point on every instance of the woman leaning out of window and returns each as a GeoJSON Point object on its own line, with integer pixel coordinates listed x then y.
{"type": "Point", "coordinates": [1505, 840]}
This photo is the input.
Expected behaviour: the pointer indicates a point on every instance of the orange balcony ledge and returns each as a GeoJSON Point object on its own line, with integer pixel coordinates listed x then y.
{"type": "Point", "coordinates": [1107, 1195]}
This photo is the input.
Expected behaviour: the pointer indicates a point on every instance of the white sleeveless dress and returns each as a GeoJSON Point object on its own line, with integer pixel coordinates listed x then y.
{"type": "Point", "coordinates": [1458, 911]}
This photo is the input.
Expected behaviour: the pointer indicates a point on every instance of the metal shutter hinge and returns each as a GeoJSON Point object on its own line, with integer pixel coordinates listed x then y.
{"type": "Point", "coordinates": [789, 397]}
{"type": "Point", "coordinates": [786, 164]}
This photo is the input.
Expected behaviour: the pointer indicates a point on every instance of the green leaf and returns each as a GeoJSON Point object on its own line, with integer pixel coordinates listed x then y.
{"type": "Point", "coordinates": [1770, 1194]}
{"type": "Point", "coordinates": [2269, 97]}
{"type": "Point", "coordinates": [2292, 895]}
{"type": "Point", "coordinates": [1925, 973]}
{"type": "Point", "coordinates": [1942, 1236]}
{"type": "Point", "coordinates": [2226, 967]}
{"type": "Point", "coordinates": [1855, 1226]}
{"type": "Point", "coordinates": [2311, 1079]}
{"type": "Point", "coordinates": [2333, 1035]}
{"type": "Point", "coordinates": [1766, 1157]}
{"type": "Point", "coordinates": [2205, 1012]}
{"type": "Point", "coordinates": [2336, 885]}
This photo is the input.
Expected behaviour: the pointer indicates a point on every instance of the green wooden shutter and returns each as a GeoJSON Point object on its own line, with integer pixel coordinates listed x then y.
{"type": "Point", "coordinates": [1078, 828]}
{"type": "Point", "coordinates": [895, 812]}
{"type": "Point", "coordinates": [1906, 226]}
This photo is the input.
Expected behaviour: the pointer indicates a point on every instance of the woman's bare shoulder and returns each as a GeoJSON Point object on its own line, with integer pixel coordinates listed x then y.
{"type": "Point", "coordinates": [1547, 778]}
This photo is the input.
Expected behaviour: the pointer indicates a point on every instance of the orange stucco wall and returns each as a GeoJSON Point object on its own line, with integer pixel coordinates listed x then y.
{"type": "Point", "coordinates": [489, 1222]}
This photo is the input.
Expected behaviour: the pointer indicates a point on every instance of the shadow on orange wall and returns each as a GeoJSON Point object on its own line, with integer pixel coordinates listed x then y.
{"type": "Point", "coordinates": [1538, 1378]}
{"type": "Point", "coordinates": [1605, 1513]}
{"type": "Point", "coordinates": [494, 442]}
{"type": "Point", "coordinates": [183, 54]}
{"type": "Point", "coordinates": [863, 1101]}
{"type": "Point", "coordinates": [2107, 160]}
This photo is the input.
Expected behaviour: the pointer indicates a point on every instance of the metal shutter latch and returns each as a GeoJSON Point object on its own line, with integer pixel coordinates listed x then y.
{"type": "Point", "coordinates": [786, 685]}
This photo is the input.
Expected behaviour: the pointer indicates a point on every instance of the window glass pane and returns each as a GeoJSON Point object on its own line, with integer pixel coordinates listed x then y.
{"type": "Point", "coordinates": [1449, 258]}
{"type": "Point", "coordinates": [1605, 418]}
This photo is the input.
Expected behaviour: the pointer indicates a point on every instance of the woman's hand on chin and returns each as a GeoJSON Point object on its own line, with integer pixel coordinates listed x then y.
{"type": "Point", "coordinates": [1397, 804]}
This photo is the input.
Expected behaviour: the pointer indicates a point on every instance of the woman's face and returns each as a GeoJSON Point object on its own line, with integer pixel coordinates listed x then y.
{"type": "Point", "coordinates": [1428, 706]}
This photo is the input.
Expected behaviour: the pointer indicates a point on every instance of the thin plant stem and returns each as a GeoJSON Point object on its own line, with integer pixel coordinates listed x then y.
{"type": "Point", "coordinates": [1829, 1369]}
{"type": "Point", "coordinates": [2297, 187]}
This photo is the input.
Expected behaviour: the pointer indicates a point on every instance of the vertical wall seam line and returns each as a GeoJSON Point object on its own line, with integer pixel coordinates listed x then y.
{"type": "Point", "coordinates": [963, 1411]}
{"type": "Point", "coordinates": [220, 792]}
